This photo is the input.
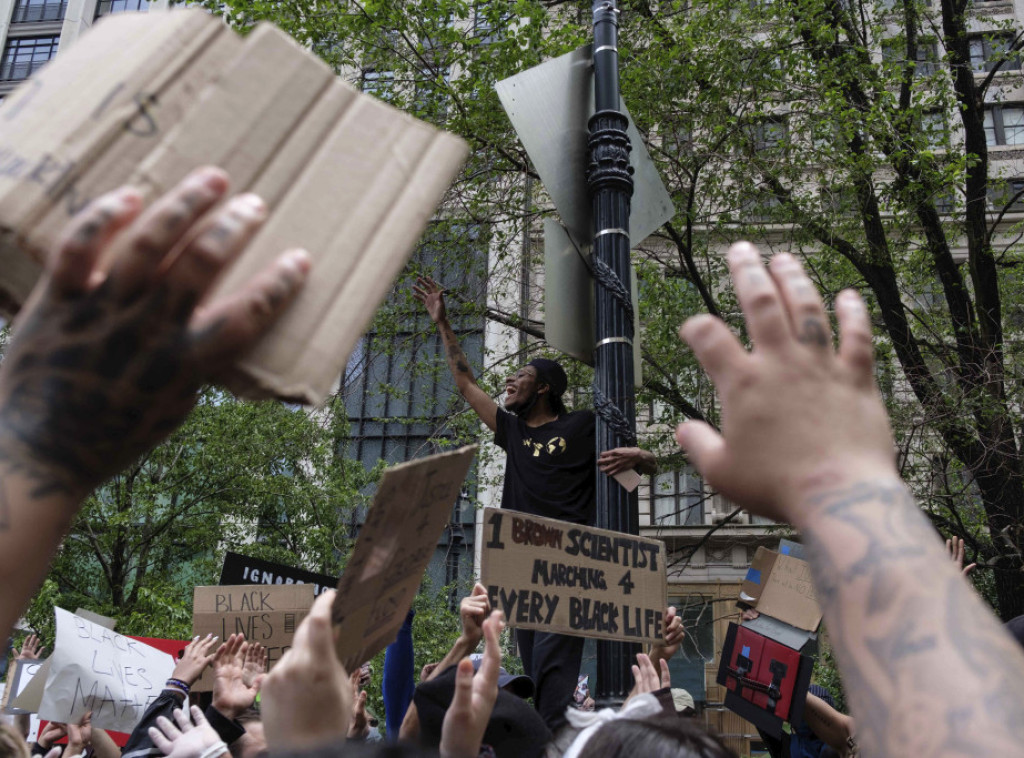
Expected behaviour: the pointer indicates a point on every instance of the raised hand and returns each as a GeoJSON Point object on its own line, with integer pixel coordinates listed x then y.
{"type": "Point", "coordinates": [474, 610]}
{"type": "Point", "coordinates": [797, 415]}
{"type": "Point", "coordinates": [359, 729]}
{"type": "Point", "coordinates": [112, 345]}
{"type": "Point", "coordinates": [30, 649]}
{"type": "Point", "coordinates": [430, 293]}
{"type": "Point", "coordinates": [473, 702]}
{"type": "Point", "coordinates": [955, 546]}
{"type": "Point", "coordinates": [307, 698]}
{"type": "Point", "coordinates": [187, 739]}
{"type": "Point", "coordinates": [231, 695]}
{"type": "Point", "coordinates": [255, 665]}
{"type": "Point", "coordinates": [197, 656]}
{"type": "Point", "coordinates": [672, 637]}
{"type": "Point", "coordinates": [647, 678]}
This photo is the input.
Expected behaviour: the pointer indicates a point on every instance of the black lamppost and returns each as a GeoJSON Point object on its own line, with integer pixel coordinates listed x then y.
{"type": "Point", "coordinates": [610, 180]}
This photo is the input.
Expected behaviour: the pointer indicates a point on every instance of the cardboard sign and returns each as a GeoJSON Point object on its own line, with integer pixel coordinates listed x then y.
{"type": "Point", "coordinates": [413, 503]}
{"type": "Point", "coordinates": [241, 569]}
{"type": "Point", "coordinates": [95, 669]}
{"type": "Point", "coordinates": [781, 586]}
{"type": "Point", "coordinates": [268, 615]}
{"type": "Point", "coordinates": [766, 681]}
{"type": "Point", "coordinates": [561, 577]}
{"type": "Point", "coordinates": [144, 98]}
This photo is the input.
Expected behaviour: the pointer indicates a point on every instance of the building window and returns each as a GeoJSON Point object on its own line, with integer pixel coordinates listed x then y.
{"type": "Point", "coordinates": [380, 84]}
{"type": "Point", "coordinates": [1004, 125]}
{"type": "Point", "coordinates": [677, 498]}
{"type": "Point", "coordinates": [769, 133]}
{"type": "Point", "coordinates": [23, 56]}
{"type": "Point", "coordinates": [926, 56]}
{"type": "Point", "coordinates": [107, 7]}
{"type": "Point", "coordinates": [1006, 195]}
{"type": "Point", "coordinates": [36, 11]}
{"type": "Point", "coordinates": [490, 23]}
{"type": "Point", "coordinates": [990, 51]}
{"type": "Point", "coordinates": [935, 128]}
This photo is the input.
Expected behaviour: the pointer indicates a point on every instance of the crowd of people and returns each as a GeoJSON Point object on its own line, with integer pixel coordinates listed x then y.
{"type": "Point", "coordinates": [114, 343]}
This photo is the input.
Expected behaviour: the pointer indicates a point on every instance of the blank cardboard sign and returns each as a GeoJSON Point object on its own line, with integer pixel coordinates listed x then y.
{"type": "Point", "coordinates": [413, 503]}
{"type": "Point", "coordinates": [145, 98]}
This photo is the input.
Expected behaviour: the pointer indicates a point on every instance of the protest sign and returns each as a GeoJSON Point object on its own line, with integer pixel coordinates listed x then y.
{"type": "Point", "coordinates": [145, 98]}
{"type": "Point", "coordinates": [412, 505]}
{"type": "Point", "coordinates": [22, 673]}
{"type": "Point", "coordinates": [268, 615]}
{"type": "Point", "coordinates": [555, 576]}
{"type": "Point", "coordinates": [241, 569]}
{"type": "Point", "coordinates": [95, 669]}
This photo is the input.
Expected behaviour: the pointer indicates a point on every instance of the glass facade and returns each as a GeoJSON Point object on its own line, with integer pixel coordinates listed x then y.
{"type": "Point", "coordinates": [23, 56]}
{"type": "Point", "coordinates": [38, 11]}
{"type": "Point", "coordinates": [400, 398]}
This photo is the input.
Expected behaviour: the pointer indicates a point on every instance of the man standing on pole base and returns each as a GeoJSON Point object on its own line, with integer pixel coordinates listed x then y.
{"type": "Point", "coordinates": [549, 471]}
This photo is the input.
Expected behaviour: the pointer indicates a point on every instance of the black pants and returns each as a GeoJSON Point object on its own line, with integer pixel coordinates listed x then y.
{"type": "Point", "coordinates": [553, 662]}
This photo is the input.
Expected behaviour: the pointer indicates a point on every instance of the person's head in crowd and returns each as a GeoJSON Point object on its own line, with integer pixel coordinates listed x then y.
{"type": "Point", "coordinates": [540, 381]}
{"type": "Point", "coordinates": [515, 729]}
{"type": "Point", "coordinates": [661, 736]}
{"type": "Point", "coordinates": [12, 744]}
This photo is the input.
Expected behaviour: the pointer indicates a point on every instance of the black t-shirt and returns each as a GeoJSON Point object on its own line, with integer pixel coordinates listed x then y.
{"type": "Point", "coordinates": [549, 469]}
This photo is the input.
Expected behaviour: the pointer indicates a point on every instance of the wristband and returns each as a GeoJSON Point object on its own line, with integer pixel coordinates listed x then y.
{"type": "Point", "coordinates": [180, 684]}
{"type": "Point", "coordinates": [214, 750]}
{"type": "Point", "coordinates": [176, 688]}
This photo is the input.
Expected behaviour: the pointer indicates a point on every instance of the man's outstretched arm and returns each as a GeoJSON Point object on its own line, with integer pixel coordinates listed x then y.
{"type": "Point", "coordinates": [107, 362]}
{"type": "Point", "coordinates": [429, 292]}
{"type": "Point", "coordinates": [805, 440]}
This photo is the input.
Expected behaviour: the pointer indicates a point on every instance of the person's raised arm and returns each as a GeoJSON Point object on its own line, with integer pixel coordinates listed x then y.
{"type": "Point", "coordinates": [805, 439]}
{"type": "Point", "coordinates": [430, 293]}
{"type": "Point", "coordinates": [110, 350]}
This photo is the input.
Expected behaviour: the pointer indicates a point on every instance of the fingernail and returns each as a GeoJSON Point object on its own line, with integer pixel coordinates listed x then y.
{"type": "Point", "coordinates": [299, 260]}
{"type": "Point", "coordinates": [249, 205]}
{"type": "Point", "coordinates": [209, 176]}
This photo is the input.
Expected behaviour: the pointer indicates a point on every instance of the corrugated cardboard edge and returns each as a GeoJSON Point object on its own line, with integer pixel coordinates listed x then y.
{"type": "Point", "coordinates": [370, 282]}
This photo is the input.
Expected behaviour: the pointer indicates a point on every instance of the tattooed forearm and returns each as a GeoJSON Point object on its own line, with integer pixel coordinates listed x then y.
{"type": "Point", "coordinates": [457, 361]}
{"type": "Point", "coordinates": [924, 661]}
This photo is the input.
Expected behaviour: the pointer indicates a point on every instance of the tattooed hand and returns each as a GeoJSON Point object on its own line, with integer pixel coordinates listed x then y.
{"type": "Point", "coordinates": [105, 365]}
{"type": "Point", "coordinates": [797, 415]}
{"type": "Point", "coordinates": [111, 348]}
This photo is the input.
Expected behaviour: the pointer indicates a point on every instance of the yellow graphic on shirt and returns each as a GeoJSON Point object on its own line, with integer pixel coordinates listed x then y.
{"type": "Point", "coordinates": [554, 446]}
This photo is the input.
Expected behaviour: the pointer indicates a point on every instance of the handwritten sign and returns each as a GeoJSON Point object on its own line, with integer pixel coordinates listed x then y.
{"type": "Point", "coordinates": [95, 669]}
{"type": "Point", "coordinates": [412, 506]}
{"type": "Point", "coordinates": [268, 615]}
{"type": "Point", "coordinates": [561, 577]}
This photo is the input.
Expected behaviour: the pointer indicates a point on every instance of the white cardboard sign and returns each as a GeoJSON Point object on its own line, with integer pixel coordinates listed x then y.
{"type": "Point", "coordinates": [95, 669]}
